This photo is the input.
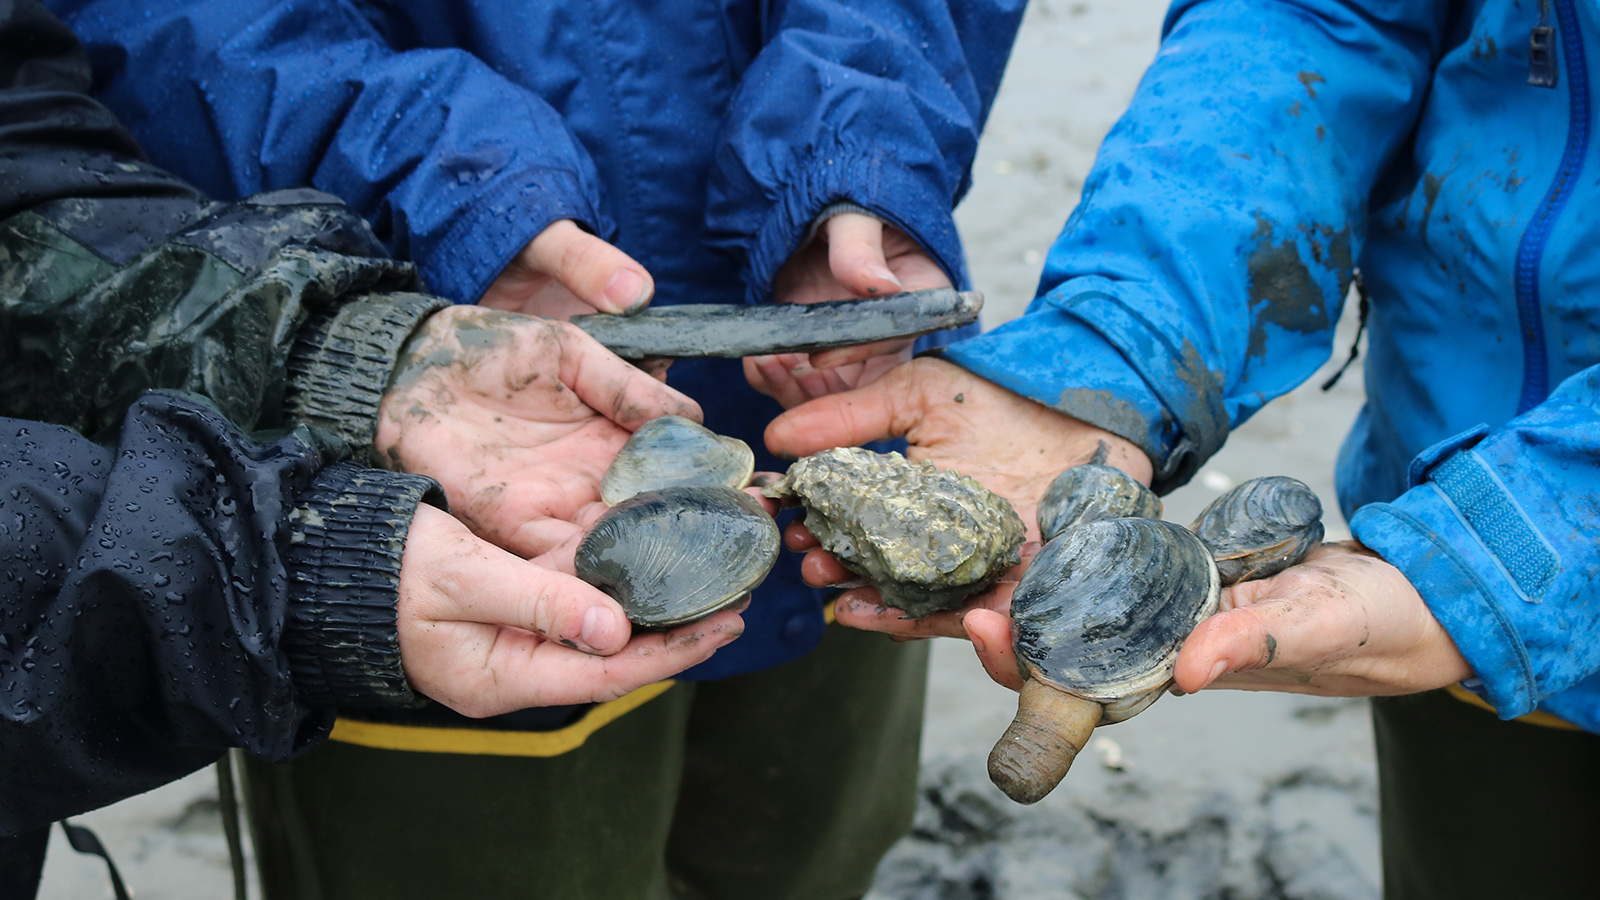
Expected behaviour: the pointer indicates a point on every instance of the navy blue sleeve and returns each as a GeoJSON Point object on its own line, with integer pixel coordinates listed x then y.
{"type": "Point", "coordinates": [253, 95]}
{"type": "Point", "coordinates": [876, 103]}
{"type": "Point", "coordinates": [183, 592]}
{"type": "Point", "coordinates": [1203, 271]}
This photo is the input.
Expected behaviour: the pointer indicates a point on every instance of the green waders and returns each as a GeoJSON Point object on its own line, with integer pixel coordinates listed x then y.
{"type": "Point", "coordinates": [788, 784]}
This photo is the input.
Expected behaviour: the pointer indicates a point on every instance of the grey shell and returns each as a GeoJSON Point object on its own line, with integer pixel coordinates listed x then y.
{"type": "Point", "coordinates": [1261, 527]}
{"type": "Point", "coordinates": [672, 451]}
{"type": "Point", "coordinates": [677, 555]}
{"type": "Point", "coordinates": [1103, 609]}
{"type": "Point", "coordinates": [1091, 492]}
{"type": "Point", "coordinates": [925, 537]}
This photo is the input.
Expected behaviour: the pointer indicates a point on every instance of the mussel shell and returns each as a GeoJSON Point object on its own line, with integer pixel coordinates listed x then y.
{"type": "Point", "coordinates": [1091, 492]}
{"type": "Point", "coordinates": [677, 555]}
{"type": "Point", "coordinates": [672, 451]}
{"type": "Point", "coordinates": [926, 538]}
{"type": "Point", "coordinates": [1261, 527]}
{"type": "Point", "coordinates": [1103, 609]}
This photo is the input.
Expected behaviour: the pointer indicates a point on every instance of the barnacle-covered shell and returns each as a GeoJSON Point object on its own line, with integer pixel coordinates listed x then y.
{"type": "Point", "coordinates": [925, 537]}
{"type": "Point", "coordinates": [1091, 492]}
{"type": "Point", "coordinates": [672, 451]}
{"type": "Point", "coordinates": [677, 555]}
{"type": "Point", "coordinates": [1261, 527]}
{"type": "Point", "coordinates": [1097, 622]}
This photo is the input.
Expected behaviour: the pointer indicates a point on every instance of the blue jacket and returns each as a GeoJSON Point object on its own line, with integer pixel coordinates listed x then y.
{"type": "Point", "coordinates": [1446, 149]}
{"type": "Point", "coordinates": [701, 138]}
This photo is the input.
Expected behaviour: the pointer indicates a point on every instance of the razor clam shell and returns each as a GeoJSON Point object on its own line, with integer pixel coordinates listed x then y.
{"type": "Point", "coordinates": [1261, 527]}
{"type": "Point", "coordinates": [1103, 609]}
{"type": "Point", "coordinates": [672, 451]}
{"type": "Point", "coordinates": [677, 555]}
{"type": "Point", "coordinates": [1089, 493]}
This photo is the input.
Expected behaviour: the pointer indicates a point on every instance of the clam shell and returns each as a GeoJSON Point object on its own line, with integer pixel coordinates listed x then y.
{"type": "Point", "coordinates": [1102, 610]}
{"type": "Point", "coordinates": [1261, 527]}
{"type": "Point", "coordinates": [1092, 492]}
{"type": "Point", "coordinates": [672, 451]}
{"type": "Point", "coordinates": [677, 555]}
{"type": "Point", "coordinates": [925, 537]}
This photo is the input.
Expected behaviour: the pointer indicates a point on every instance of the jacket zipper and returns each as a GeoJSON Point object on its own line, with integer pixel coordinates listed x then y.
{"type": "Point", "coordinates": [1535, 365]}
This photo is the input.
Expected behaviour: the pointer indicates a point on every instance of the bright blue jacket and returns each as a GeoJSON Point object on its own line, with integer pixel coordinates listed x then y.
{"type": "Point", "coordinates": [1271, 147]}
{"type": "Point", "coordinates": [702, 138]}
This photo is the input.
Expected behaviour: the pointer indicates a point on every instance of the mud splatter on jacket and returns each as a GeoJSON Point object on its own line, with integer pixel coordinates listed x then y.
{"type": "Point", "coordinates": [181, 587]}
{"type": "Point", "coordinates": [703, 138]}
{"type": "Point", "coordinates": [1448, 149]}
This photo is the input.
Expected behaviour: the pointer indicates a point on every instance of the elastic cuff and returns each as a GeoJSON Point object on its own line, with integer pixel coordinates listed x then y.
{"type": "Point", "coordinates": [470, 256]}
{"type": "Point", "coordinates": [828, 212]}
{"type": "Point", "coordinates": [343, 561]}
{"type": "Point", "coordinates": [340, 364]}
{"type": "Point", "coordinates": [1422, 535]}
{"type": "Point", "coordinates": [872, 184]}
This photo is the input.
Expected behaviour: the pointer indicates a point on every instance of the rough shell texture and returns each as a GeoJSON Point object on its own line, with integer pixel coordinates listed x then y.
{"type": "Point", "coordinates": [671, 452]}
{"type": "Point", "coordinates": [1089, 493]}
{"type": "Point", "coordinates": [1103, 609]}
{"type": "Point", "coordinates": [1261, 527]}
{"type": "Point", "coordinates": [924, 537]}
{"type": "Point", "coordinates": [677, 555]}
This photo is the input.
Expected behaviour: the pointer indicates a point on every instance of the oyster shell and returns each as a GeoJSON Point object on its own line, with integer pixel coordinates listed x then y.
{"type": "Point", "coordinates": [672, 451]}
{"type": "Point", "coordinates": [1091, 492]}
{"type": "Point", "coordinates": [677, 555]}
{"type": "Point", "coordinates": [1098, 620]}
{"type": "Point", "coordinates": [1261, 527]}
{"type": "Point", "coordinates": [925, 537]}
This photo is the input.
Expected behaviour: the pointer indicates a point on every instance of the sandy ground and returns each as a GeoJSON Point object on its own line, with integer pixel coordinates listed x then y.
{"type": "Point", "coordinates": [1219, 795]}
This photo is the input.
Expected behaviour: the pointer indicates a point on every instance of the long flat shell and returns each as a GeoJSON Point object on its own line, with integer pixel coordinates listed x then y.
{"type": "Point", "coordinates": [734, 330]}
{"type": "Point", "coordinates": [1103, 609]}
{"type": "Point", "coordinates": [672, 451]}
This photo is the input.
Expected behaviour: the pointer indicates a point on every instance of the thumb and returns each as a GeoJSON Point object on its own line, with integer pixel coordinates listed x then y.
{"type": "Point", "coordinates": [886, 408]}
{"type": "Point", "coordinates": [593, 270]}
{"type": "Point", "coordinates": [448, 574]}
{"type": "Point", "coordinates": [855, 255]}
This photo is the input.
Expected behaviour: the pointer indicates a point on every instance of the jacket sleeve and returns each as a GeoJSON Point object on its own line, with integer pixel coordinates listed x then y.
{"type": "Point", "coordinates": [184, 591]}
{"type": "Point", "coordinates": [258, 95]}
{"type": "Point", "coordinates": [878, 104]}
{"type": "Point", "coordinates": [1205, 266]}
{"type": "Point", "coordinates": [1497, 534]}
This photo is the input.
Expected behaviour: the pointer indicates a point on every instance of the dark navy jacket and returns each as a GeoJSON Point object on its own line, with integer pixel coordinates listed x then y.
{"type": "Point", "coordinates": [1449, 150]}
{"type": "Point", "coordinates": [703, 138]}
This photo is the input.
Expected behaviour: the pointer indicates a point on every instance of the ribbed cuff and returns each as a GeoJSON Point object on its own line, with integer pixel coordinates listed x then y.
{"type": "Point", "coordinates": [340, 365]}
{"type": "Point", "coordinates": [343, 561]}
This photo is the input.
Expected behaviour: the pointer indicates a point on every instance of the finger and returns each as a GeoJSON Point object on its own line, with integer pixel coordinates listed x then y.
{"type": "Point", "coordinates": [990, 634]}
{"type": "Point", "coordinates": [799, 538]}
{"type": "Point", "coordinates": [774, 376]}
{"type": "Point", "coordinates": [617, 389]}
{"type": "Point", "coordinates": [855, 255]}
{"type": "Point", "coordinates": [1298, 635]}
{"type": "Point", "coordinates": [540, 536]}
{"type": "Point", "coordinates": [820, 568]}
{"type": "Point", "coordinates": [844, 356]}
{"type": "Point", "coordinates": [528, 673]}
{"type": "Point", "coordinates": [594, 271]}
{"type": "Point", "coordinates": [862, 608]}
{"type": "Point", "coordinates": [884, 409]}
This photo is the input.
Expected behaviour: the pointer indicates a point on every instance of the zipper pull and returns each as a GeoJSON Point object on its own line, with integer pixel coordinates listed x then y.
{"type": "Point", "coordinates": [1542, 71]}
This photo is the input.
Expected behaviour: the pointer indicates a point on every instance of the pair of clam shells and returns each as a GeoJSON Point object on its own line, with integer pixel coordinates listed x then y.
{"type": "Point", "coordinates": [681, 541]}
{"type": "Point", "coordinates": [1100, 614]}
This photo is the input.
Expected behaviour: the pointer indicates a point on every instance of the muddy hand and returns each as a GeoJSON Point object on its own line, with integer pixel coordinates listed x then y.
{"type": "Point", "coordinates": [1342, 623]}
{"type": "Point", "coordinates": [518, 418]}
{"type": "Point", "coordinates": [566, 271]}
{"type": "Point", "coordinates": [486, 633]}
{"type": "Point", "coordinates": [852, 255]}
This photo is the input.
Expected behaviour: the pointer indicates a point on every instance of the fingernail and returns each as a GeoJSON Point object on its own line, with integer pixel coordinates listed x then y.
{"type": "Point", "coordinates": [729, 637]}
{"type": "Point", "coordinates": [877, 270]}
{"type": "Point", "coordinates": [596, 627]}
{"type": "Point", "coordinates": [1216, 671]}
{"type": "Point", "coordinates": [628, 291]}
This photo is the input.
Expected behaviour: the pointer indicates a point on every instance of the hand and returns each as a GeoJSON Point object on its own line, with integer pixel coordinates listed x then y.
{"type": "Point", "coordinates": [518, 418]}
{"type": "Point", "coordinates": [852, 255]}
{"type": "Point", "coordinates": [566, 271]}
{"type": "Point", "coordinates": [483, 632]}
{"type": "Point", "coordinates": [1343, 623]}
